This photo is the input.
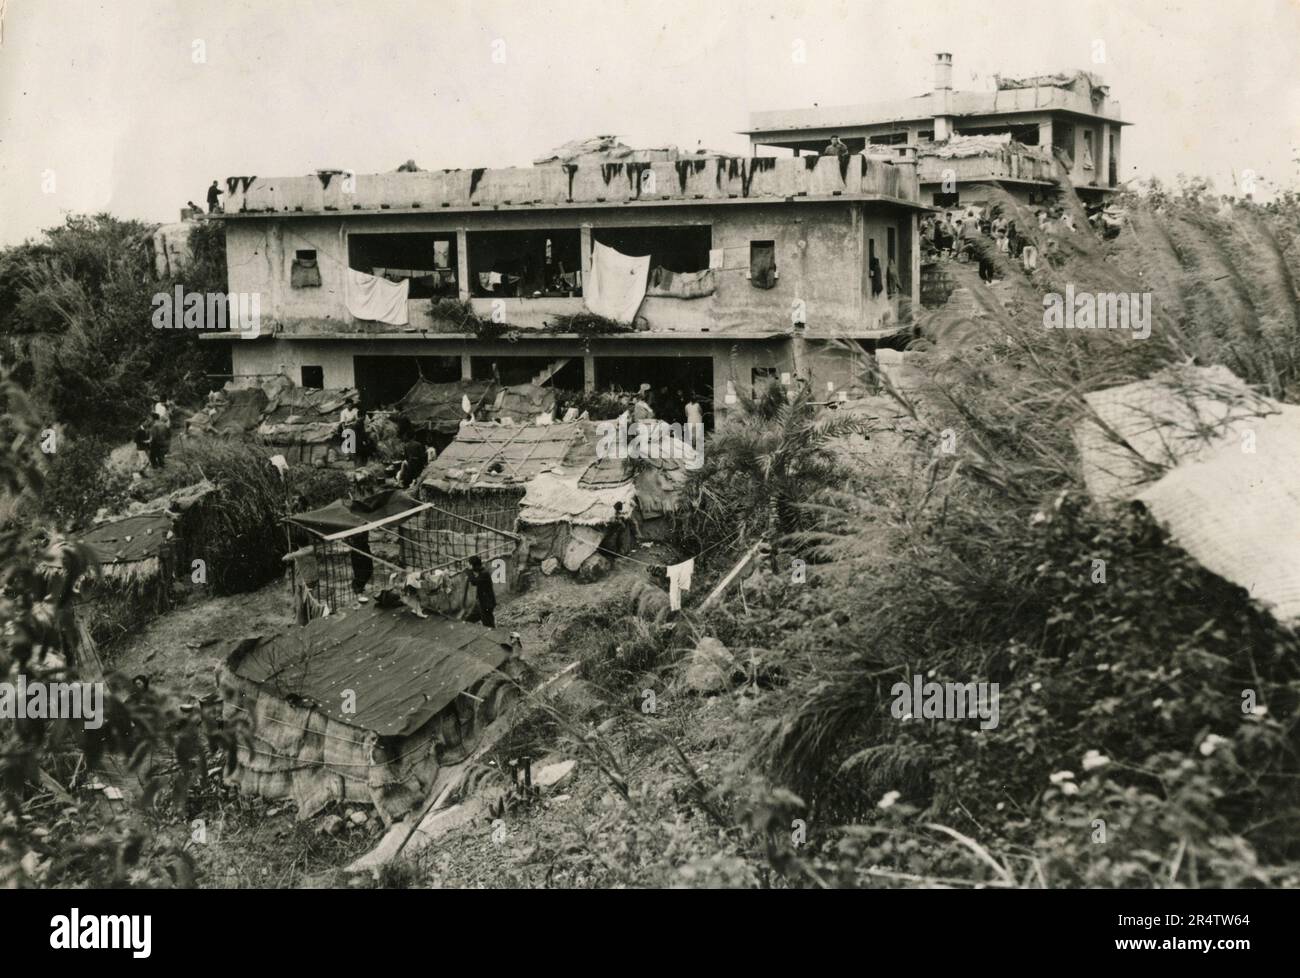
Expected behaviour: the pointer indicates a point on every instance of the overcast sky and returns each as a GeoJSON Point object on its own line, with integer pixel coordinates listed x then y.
{"type": "Point", "coordinates": [135, 106]}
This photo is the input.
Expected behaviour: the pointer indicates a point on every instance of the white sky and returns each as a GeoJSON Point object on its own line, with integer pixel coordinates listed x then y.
{"type": "Point", "coordinates": [108, 96]}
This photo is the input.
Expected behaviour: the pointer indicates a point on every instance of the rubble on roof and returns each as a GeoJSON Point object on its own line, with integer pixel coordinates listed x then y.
{"type": "Point", "coordinates": [1084, 82]}
{"type": "Point", "coordinates": [608, 149]}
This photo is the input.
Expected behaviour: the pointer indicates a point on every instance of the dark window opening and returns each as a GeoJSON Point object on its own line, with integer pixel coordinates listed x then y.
{"type": "Point", "coordinates": [925, 136]}
{"type": "Point", "coordinates": [1025, 134]}
{"type": "Point", "coordinates": [557, 371]}
{"type": "Point", "coordinates": [762, 264]}
{"type": "Point", "coordinates": [305, 273]}
{"type": "Point", "coordinates": [526, 263]}
{"type": "Point", "coordinates": [947, 200]}
{"type": "Point", "coordinates": [427, 259]}
{"type": "Point", "coordinates": [1063, 140]}
{"type": "Point", "coordinates": [313, 377]}
{"type": "Point", "coordinates": [889, 139]}
{"type": "Point", "coordinates": [679, 249]}
{"type": "Point", "coordinates": [760, 378]}
{"type": "Point", "coordinates": [381, 381]}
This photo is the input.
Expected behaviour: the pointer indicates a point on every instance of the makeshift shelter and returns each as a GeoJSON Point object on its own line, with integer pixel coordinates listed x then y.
{"type": "Point", "coordinates": [230, 411]}
{"type": "Point", "coordinates": [437, 408]}
{"type": "Point", "coordinates": [1215, 463]}
{"type": "Point", "coordinates": [136, 559]}
{"type": "Point", "coordinates": [362, 706]}
{"type": "Point", "coordinates": [1134, 432]}
{"type": "Point", "coordinates": [302, 423]}
{"type": "Point", "coordinates": [390, 533]}
{"type": "Point", "coordinates": [559, 482]}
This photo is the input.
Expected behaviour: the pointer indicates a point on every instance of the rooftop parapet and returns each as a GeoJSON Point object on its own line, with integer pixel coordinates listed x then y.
{"type": "Point", "coordinates": [693, 180]}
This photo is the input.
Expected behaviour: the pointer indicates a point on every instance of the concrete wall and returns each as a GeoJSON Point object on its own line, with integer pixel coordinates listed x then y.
{"type": "Point", "coordinates": [820, 262]}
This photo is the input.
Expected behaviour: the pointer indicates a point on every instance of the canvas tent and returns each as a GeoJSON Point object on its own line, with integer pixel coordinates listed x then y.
{"type": "Point", "coordinates": [310, 742]}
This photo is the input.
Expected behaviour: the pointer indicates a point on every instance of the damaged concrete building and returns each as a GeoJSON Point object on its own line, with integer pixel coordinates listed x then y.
{"type": "Point", "coordinates": [749, 269]}
{"type": "Point", "coordinates": [963, 142]}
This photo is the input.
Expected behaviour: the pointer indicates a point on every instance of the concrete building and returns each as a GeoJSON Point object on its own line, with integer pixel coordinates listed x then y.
{"type": "Point", "coordinates": [1026, 125]}
{"type": "Point", "coordinates": [782, 250]}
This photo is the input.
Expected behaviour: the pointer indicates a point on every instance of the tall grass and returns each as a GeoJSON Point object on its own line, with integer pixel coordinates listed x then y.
{"type": "Point", "coordinates": [979, 566]}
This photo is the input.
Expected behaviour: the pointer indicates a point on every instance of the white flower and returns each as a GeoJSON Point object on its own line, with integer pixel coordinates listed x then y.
{"type": "Point", "coordinates": [1060, 776]}
{"type": "Point", "coordinates": [1069, 788]}
{"type": "Point", "coordinates": [1094, 759]}
{"type": "Point", "coordinates": [1036, 687]}
{"type": "Point", "coordinates": [1212, 743]}
{"type": "Point", "coordinates": [888, 800]}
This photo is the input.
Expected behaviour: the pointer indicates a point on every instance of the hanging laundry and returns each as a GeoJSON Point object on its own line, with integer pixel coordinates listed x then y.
{"type": "Point", "coordinates": [679, 580]}
{"type": "Point", "coordinates": [681, 285]}
{"type": "Point", "coordinates": [715, 258]}
{"type": "Point", "coordinates": [373, 298]}
{"type": "Point", "coordinates": [616, 285]}
{"type": "Point", "coordinates": [494, 279]}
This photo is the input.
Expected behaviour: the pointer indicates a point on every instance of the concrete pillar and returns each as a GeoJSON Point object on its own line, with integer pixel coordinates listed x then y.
{"type": "Point", "coordinates": [588, 371]}
{"type": "Point", "coordinates": [462, 265]}
{"type": "Point", "coordinates": [466, 368]}
{"type": "Point", "coordinates": [1102, 162]}
{"type": "Point", "coordinates": [584, 232]}
{"type": "Point", "coordinates": [1045, 135]}
{"type": "Point", "coordinates": [915, 259]}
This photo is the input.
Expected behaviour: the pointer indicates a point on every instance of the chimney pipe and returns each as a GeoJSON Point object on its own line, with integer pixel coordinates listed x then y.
{"type": "Point", "coordinates": [942, 97]}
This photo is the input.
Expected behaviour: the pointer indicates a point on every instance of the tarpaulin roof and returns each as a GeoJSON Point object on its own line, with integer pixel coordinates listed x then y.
{"type": "Point", "coordinates": [496, 456]}
{"type": "Point", "coordinates": [1138, 430]}
{"type": "Point", "coordinates": [130, 539]}
{"type": "Point", "coordinates": [1237, 512]}
{"type": "Point", "coordinates": [231, 411]}
{"type": "Point", "coordinates": [438, 406]}
{"type": "Point", "coordinates": [348, 514]}
{"type": "Point", "coordinates": [560, 499]}
{"type": "Point", "coordinates": [303, 416]}
{"type": "Point", "coordinates": [403, 669]}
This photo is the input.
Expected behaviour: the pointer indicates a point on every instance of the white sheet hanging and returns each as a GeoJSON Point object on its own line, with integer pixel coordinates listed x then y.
{"type": "Point", "coordinates": [377, 299]}
{"type": "Point", "coordinates": [616, 285]}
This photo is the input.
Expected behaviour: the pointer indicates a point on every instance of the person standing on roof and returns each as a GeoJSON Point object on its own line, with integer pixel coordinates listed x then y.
{"type": "Point", "coordinates": [214, 198]}
{"type": "Point", "coordinates": [836, 147]}
{"type": "Point", "coordinates": [485, 596]}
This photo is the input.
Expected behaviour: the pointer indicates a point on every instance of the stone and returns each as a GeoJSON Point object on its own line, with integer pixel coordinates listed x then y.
{"type": "Point", "coordinates": [358, 818]}
{"type": "Point", "coordinates": [550, 565]}
{"type": "Point", "coordinates": [329, 825]}
{"type": "Point", "coordinates": [593, 568]}
{"type": "Point", "coordinates": [709, 666]}
{"type": "Point", "coordinates": [553, 774]}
